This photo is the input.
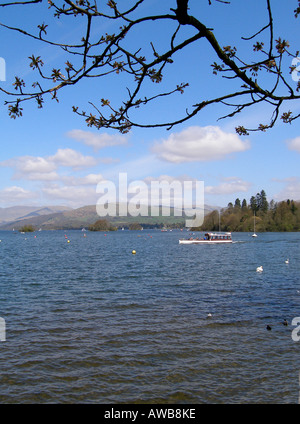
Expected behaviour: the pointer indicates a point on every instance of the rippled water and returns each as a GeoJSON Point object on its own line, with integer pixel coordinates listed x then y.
{"type": "Point", "coordinates": [89, 322]}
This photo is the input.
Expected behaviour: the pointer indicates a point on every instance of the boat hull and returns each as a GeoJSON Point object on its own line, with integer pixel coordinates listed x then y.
{"type": "Point", "coordinates": [204, 241]}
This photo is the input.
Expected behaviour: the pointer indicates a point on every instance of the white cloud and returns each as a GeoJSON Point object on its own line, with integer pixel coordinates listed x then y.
{"type": "Point", "coordinates": [29, 164]}
{"type": "Point", "coordinates": [15, 194]}
{"type": "Point", "coordinates": [294, 144]}
{"type": "Point", "coordinates": [90, 179]}
{"type": "Point", "coordinates": [71, 158]}
{"type": "Point", "coordinates": [36, 168]}
{"type": "Point", "coordinates": [35, 164]}
{"type": "Point", "coordinates": [228, 186]}
{"type": "Point", "coordinates": [39, 176]}
{"type": "Point", "coordinates": [97, 141]}
{"type": "Point", "coordinates": [71, 195]}
{"type": "Point", "coordinates": [56, 185]}
{"type": "Point", "coordinates": [199, 144]}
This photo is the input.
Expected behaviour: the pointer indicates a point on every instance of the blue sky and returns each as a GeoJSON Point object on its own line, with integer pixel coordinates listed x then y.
{"type": "Point", "coordinates": [50, 157]}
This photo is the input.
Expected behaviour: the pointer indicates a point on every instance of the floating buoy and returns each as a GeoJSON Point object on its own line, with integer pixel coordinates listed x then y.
{"type": "Point", "coordinates": [259, 269]}
{"type": "Point", "coordinates": [133, 252]}
{"type": "Point", "coordinates": [68, 241]}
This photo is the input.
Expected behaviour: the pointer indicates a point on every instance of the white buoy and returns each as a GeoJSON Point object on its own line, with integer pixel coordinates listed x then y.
{"type": "Point", "coordinates": [259, 269]}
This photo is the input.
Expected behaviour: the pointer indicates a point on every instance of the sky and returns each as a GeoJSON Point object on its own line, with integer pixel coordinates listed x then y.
{"type": "Point", "coordinates": [50, 156]}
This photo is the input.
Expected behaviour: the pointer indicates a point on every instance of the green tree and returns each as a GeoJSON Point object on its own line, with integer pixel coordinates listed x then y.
{"type": "Point", "coordinates": [27, 229]}
{"type": "Point", "coordinates": [244, 204]}
{"type": "Point", "coordinates": [253, 204]}
{"type": "Point", "coordinates": [101, 225]}
{"type": "Point", "coordinates": [135, 226]}
{"type": "Point", "coordinates": [211, 221]}
{"type": "Point", "coordinates": [237, 204]}
{"type": "Point", "coordinates": [262, 203]}
{"type": "Point", "coordinates": [293, 207]}
{"type": "Point", "coordinates": [255, 73]}
{"type": "Point", "coordinates": [284, 218]}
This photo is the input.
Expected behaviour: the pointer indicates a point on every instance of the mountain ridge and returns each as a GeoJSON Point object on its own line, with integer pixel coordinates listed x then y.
{"type": "Point", "coordinates": [13, 213]}
{"type": "Point", "coordinates": [87, 215]}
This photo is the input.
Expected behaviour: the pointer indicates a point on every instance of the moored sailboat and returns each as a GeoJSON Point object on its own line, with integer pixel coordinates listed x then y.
{"type": "Point", "coordinates": [254, 234]}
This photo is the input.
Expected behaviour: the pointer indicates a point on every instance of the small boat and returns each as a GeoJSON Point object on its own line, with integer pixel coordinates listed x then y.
{"type": "Point", "coordinates": [254, 235]}
{"type": "Point", "coordinates": [209, 238]}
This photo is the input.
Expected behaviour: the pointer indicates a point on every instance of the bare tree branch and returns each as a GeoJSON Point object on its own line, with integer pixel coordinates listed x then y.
{"type": "Point", "coordinates": [16, 3]}
{"type": "Point", "coordinates": [110, 54]}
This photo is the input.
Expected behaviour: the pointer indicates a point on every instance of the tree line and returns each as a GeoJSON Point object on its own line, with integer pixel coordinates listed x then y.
{"type": "Point", "coordinates": [268, 216]}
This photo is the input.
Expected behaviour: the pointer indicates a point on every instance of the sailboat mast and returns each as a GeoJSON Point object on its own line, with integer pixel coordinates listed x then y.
{"type": "Point", "coordinates": [254, 235]}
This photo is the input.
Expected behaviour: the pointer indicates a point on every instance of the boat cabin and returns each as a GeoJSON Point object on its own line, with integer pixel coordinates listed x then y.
{"type": "Point", "coordinates": [215, 236]}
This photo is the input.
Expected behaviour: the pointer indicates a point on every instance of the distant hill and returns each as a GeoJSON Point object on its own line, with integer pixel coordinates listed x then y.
{"type": "Point", "coordinates": [70, 218]}
{"type": "Point", "coordinates": [45, 211]}
{"type": "Point", "coordinates": [23, 212]}
{"type": "Point", "coordinates": [85, 216]}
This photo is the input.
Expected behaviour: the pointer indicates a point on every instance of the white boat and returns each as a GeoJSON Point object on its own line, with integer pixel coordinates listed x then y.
{"type": "Point", "coordinates": [209, 238]}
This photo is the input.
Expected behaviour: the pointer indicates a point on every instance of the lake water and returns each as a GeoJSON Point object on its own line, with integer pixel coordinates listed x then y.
{"type": "Point", "coordinates": [89, 322]}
